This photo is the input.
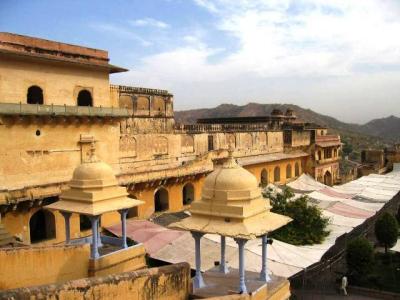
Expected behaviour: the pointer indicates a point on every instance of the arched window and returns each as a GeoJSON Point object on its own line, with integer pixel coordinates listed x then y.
{"type": "Point", "coordinates": [161, 202]}
{"type": "Point", "coordinates": [277, 174]}
{"type": "Point", "coordinates": [264, 177]}
{"type": "Point", "coordinates": [42, 226]}
{"type": "Point", "coordinates": [296, 169]}
{"type": "Point", "coordinates": [289, 171]}
{"type": "Point", "coordinates": [34, 95]}
{"type": "Point", "coordinates": [85, 98]}
{"type": "Point", "coordinates": [84, 223]}
{"type": "Point", "coordinates": [188, 193]}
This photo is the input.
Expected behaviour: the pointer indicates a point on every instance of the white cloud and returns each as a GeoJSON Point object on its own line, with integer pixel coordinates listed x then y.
{"type": "Point", "coordinates": [150, 22]}
{"type": "Point", "coordinates": [120, 31]}
{"type": "Point", "coordinates": [281, 39]}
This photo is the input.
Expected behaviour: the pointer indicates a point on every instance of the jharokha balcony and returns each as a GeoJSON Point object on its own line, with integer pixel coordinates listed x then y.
{"type": "Point", "coordinates": [328, 140]}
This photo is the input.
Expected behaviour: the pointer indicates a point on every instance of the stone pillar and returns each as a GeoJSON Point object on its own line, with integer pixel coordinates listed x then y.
{"type": "Point", "coordinates": [99, 243]}
{"type": "Point", "coordinates": [67, 216]}
{"type": "Point", "coordinates": [242, 269]}
{"type": "Point", "coordinates": [223, 267]}
{"type": "Point", "coordinates": [264, 269]}
{"type": "Point", "coordinates": [198, 281]}
{"type": "Point", "coordinates": [123, 213]}
{"type": "Point", "coordinates": [94, 253]}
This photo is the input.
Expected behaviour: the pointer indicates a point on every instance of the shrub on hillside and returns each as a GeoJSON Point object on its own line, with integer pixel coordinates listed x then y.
{"type": "Point", "coordinates": [386, 230]}
{"type": "Point", "coordinates": [308, 226]}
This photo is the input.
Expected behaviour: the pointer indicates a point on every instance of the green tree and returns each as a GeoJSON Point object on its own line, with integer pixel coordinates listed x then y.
{"type": "Point", "coordinates": [308, 226]}
{"type": "Point", "coordinates": [386, 230]}
{"type": "Point", "coordinates": [347, 148]}
{"type": "Point", "coordinates": [359, 257]}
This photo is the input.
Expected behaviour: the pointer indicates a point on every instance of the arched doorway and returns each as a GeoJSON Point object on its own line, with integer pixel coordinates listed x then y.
{"type": "Point", "coordinates": [133, 211]}
{"type": "Point", "coordinates": [85, 98]}
{"type": "Point", "coordinates": [42, 226]}
{"type": "Point", "coordinates": [188, 193]}
{"type": "Point", "coordinates": [288, 171]}
{"type": "Point", "coordinates": [264, 177]}
{"type": "Point", "coordinates": [34, 95]}
{"type": "Point", "coordinates": [161, 202]}
{"type": "Point", "coordinates": [328, 178]}
{"type": "Point", "coordinates": [277, 174]}
{"type": "Point", "coordinates": [297, 170]}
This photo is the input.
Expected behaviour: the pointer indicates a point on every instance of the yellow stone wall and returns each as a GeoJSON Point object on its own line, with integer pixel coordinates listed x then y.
{"type": "Point", "coordinates": [125, 260]}
{"type": "Point", "coordinates": [37, 153]}
{"type": "Point", "coordinates": [270, 167]}
{"type": "Point", "coordinates": [60, 82]}
{"type": "Point", "coordinates": [165, 283]}
{"type": "Point", "coordinates": [24, 267]}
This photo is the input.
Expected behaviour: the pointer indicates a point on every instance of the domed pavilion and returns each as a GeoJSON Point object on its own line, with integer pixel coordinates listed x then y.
{"type": "Point", "coordinates": [231, 206]}
{"type": "Point", "coordinates": [94, 191]}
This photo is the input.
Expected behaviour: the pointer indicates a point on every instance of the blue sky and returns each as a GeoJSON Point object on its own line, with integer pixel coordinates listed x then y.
{"type": "Point", "coordinates": [338, 57]}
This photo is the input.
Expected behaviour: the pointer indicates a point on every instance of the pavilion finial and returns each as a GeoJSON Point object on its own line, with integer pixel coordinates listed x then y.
{"type": "Point", "coordinates": [92, 154]}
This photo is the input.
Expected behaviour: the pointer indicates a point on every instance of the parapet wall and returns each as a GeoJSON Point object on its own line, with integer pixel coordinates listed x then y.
{"type": "Point", "coordinates": [167, 283]}
{"type": "Point", "coordinates": [30, 266]}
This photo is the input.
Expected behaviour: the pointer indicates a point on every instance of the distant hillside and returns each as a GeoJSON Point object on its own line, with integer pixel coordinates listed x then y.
{"type": "Point", "coordinates": [256, 109]}
{"type": "Point", "coordinates": [388, 128]}
{"type": "Point", "coordinates": [375, 134]}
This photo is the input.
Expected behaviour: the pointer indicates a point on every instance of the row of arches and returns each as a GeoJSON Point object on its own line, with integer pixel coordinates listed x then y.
{"type": "Point", "coordinates": [42, 225]}
{"type": "Point", "coordinates": [35, 96]}
{"type": "Point", "coordinates": [161, 197]}
{"type": "Point", "coordinates": [139, 104]}
{"type": "Point", "coordinates": [277, 173]}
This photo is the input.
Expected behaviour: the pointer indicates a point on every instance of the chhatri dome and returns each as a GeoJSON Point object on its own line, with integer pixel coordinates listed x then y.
{"type": "Point", "coordinates": [231, 206]}
{"type": "Point", "coordinates": [93, 191]}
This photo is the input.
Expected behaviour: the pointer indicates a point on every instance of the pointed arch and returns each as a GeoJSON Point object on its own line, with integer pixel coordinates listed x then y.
{"type": "Point", "coordinates": [288, 171]}
{"type": "Point", "coordinates": [188, 193]}
{"type": "Point", "coordinates": [328, 178]}
{"type": "Point", "coordinates": [277, 174]}
{"type": "Point", "coordinates": [297, 169]}
{"type": "Point", "coordinates": [264, 177]}
{"type": "Point", "coordinates": [42, 226]}
{"type": "Point", "coordinates": [161, 200]}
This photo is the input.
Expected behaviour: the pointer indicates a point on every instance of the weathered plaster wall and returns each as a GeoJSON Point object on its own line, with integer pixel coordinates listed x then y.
{"type": "Point", "coordinates": [166, 283]}
{"type": "Point", "coordinates": [124, 260]}
{"type": "Point", "coordinates": [24, 267]}
{"type": "Point", "coordinates": [60, 83]}
{"type": "Point", "coordinates": [48, 152]}
{"type": "Point", "coordinates": [301, 138]}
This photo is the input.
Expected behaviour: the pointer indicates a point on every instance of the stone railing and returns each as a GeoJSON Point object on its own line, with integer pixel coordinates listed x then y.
{"type": "Point", "coordinates": [61, 110]}
{"type": "Point", "coordinates": [139, 90]}
{"type": "Point", "coordinates": [199, 165]}
{"type": "Point", "coordinates": [196, 128]}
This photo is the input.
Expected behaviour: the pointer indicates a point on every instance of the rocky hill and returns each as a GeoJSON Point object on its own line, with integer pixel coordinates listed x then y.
{"type": "Point", "coordinates": [388, 128]}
